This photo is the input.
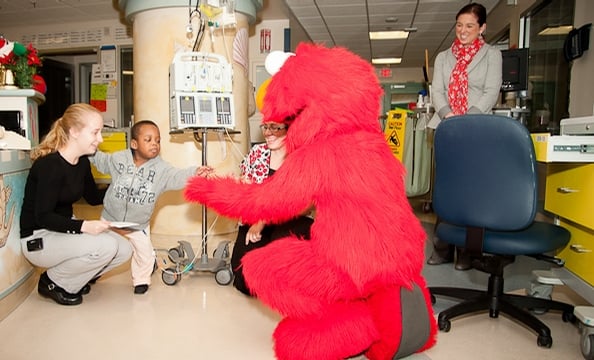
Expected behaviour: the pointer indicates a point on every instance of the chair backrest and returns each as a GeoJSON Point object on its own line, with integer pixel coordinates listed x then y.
{"type": "Point", "coordinates": [485, 173]}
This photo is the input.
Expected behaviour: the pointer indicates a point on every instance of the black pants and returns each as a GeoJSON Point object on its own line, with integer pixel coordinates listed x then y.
{"type": "Point", "coordinates": [299, 226]}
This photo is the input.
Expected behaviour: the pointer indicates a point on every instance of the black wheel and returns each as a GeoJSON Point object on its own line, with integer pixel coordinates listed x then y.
{"type": "Point", "coordinates": [176, 254]}
{"type": "Point", "coordinates": [586, 345]}
{"type": "Point", "coordinates": [427, 208]}
{"type": "Point", "coordinates": [444, 325]}
{"type": "Point", "coordinates": [170, 276]}
{"type": "Point", "coordinates": [544, 341]}
{"type": "Point", "coordinates": [568, 317]}
{"type": "Point", "coordinates": [493, 313]}
{"type": "Point", "coordinates": [224, 276]}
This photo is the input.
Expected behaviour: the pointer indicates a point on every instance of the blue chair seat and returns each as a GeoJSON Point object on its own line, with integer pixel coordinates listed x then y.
{"type": "Point", "coordinates": [538, 238]}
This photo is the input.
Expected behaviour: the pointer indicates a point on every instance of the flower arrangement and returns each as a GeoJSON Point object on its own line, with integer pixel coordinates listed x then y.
{"type": "Point", "coordinates": [22, 61]}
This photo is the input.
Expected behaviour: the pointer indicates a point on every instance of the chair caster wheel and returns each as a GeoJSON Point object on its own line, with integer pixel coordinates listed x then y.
{"type": "Point", "coordinates": [586, 346]}
{"type": "Point", "coordinates": [544, 341]}
{"type": "Point", "coordinates": [444, 325]}
{"type": "Point", "coordinates": [427, 207]}
{"type": "Point", "coordinates": [568, 317]}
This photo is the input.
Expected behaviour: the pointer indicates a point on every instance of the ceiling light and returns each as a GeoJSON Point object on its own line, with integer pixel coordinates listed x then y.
{"type": "Point", "coordinates": [556, 30]}
{"type": "Point", "coordinates": [385, 61]}
{"type": "Point", "coordinates": [385, 35]}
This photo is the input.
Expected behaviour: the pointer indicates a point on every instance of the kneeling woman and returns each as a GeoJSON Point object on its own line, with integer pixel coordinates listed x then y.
{"type": "Point", "coordinates": [261, 162]}
{"type": "Point", "coordinates": [73, 251]}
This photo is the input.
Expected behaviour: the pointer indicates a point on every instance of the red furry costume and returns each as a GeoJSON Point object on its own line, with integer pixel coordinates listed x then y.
{"type": "Point", "coordinates": [356, 287]}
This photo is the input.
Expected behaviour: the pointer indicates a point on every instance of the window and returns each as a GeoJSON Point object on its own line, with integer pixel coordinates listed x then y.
{"type": "Point", "coordinates": [549, 73]}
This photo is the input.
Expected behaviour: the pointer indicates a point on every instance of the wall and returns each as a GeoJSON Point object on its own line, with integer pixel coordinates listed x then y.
{"type": "Point", "coordinates": [16, 279]}
{"type": "Point", "coordinates": [71, 36]}
{"type": "Point", "coordinates": [257, 72]}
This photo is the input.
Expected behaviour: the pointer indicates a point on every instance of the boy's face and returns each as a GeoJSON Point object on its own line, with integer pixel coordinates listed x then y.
{"type": "Point", "coordinates": [148, 144]}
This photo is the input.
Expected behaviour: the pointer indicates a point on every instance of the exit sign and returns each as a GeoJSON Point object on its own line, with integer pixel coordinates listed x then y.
{"type": "Point", "coordinates": [386, 72]}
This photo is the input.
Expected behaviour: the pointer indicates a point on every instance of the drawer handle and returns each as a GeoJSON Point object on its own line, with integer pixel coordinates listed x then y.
{"type": "Point", "coordinates": [566, 190]}
{"type": "Point", "coordinates": [579, 249]}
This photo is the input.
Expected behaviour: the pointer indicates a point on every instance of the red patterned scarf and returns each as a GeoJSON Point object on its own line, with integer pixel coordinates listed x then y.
{"type": "Point", "coordinates": [458, 89]}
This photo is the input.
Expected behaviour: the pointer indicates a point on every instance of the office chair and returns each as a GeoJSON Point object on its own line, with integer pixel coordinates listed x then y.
{"type": "Point", "coordinates": [485, 196]}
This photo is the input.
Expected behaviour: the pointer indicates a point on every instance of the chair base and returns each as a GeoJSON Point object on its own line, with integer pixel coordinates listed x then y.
{"type": "Point", "coordinates": [495, 301]}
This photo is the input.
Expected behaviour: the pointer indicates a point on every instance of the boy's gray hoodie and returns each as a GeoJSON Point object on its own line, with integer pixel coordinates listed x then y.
{"type": "Point", "coordinates": [133, 191]}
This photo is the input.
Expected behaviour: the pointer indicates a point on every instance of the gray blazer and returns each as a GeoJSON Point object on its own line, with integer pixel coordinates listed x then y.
{"type": "Point", "coordinates": [484, 82]}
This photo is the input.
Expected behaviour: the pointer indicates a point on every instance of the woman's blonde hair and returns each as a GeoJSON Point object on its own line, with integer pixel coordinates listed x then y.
{"type": "Point", "coordinates": [57, 137]}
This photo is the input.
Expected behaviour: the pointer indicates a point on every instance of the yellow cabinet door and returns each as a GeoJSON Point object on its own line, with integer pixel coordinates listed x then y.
{"type": "Point", "coordinates": [570, 192]}
{"type": "Point", "coordinates": [579, 253]}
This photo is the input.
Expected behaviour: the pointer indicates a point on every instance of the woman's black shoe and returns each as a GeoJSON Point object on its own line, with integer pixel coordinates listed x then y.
{"type": "Point", "coordinates": [85, 289]}
{"type": "Point", "coordinates": [437, 259]}
{"type": "Point", "coordinates": [463, 260]}
{"type": "Point", "coordinates": [47, 288]}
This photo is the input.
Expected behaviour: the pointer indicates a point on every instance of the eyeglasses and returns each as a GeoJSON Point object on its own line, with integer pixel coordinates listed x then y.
{"type": "Point", "coordinates": [274, 129]}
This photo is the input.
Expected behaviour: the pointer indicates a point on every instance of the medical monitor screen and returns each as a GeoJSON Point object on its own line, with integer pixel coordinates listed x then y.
{"type": "Point", "coordinates": [186, 105]}
{"type": "Point", "coordinates": [514, 70]}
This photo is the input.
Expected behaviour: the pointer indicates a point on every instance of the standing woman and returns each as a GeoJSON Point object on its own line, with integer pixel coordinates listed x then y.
{"type": "Point", "coordinates": [73, 251]}
{"type": "Point", "coordinates": [466, 80]}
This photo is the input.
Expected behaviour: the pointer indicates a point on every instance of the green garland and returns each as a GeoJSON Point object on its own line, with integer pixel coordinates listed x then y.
{"type": "Point", "coordinates": [23, 73]}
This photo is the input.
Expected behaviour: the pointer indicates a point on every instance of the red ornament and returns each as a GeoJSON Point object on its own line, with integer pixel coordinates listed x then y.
{"type": "Point", "coordinates": [39, 84]}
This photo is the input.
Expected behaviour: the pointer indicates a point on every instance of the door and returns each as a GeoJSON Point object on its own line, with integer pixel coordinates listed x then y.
{"type": "Point", "coordinates": [60, 92]}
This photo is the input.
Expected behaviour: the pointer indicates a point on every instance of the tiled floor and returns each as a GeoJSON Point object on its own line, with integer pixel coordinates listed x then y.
{"type": "Point", "coordinates": [198, 319]}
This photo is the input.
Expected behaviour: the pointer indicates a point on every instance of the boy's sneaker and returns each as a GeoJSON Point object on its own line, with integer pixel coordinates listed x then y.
{"type": "Point", "coordinates": [141, 289]}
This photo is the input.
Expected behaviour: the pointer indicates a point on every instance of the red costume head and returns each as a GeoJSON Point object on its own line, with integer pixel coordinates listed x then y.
{"type": "Point", "coordinates": [311, 88]}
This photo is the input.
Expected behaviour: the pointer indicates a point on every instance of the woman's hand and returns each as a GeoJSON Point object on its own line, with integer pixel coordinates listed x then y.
{"type": "Point", "coordinates": [95, 227]}
{"type": "Point", "coordinates": [254, 233]}
{"type": "Point", "coordinates": [121, 231]}
{"type": "Point", "coordinates": [205, 171]}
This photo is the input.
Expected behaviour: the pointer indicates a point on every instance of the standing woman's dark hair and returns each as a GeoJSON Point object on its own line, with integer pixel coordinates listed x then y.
{"type": "Point", "coordinates": [475, 9]}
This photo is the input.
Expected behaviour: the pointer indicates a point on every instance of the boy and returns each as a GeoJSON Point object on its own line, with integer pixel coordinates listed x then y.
{"type": "Point", "coordinates": [138, 176]}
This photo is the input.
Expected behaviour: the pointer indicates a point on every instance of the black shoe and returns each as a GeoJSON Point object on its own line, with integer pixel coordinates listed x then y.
{"type": "Point", "coordinates": [140, 289]}
{"type": "Point", "coordinates": [47, 288]}
{"type": "Point", "coordinates": [437, 259]}
{"type": "Point", "coordinates": [85, 289]}
{"type": "Point", "coordinates": [463, 260]}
